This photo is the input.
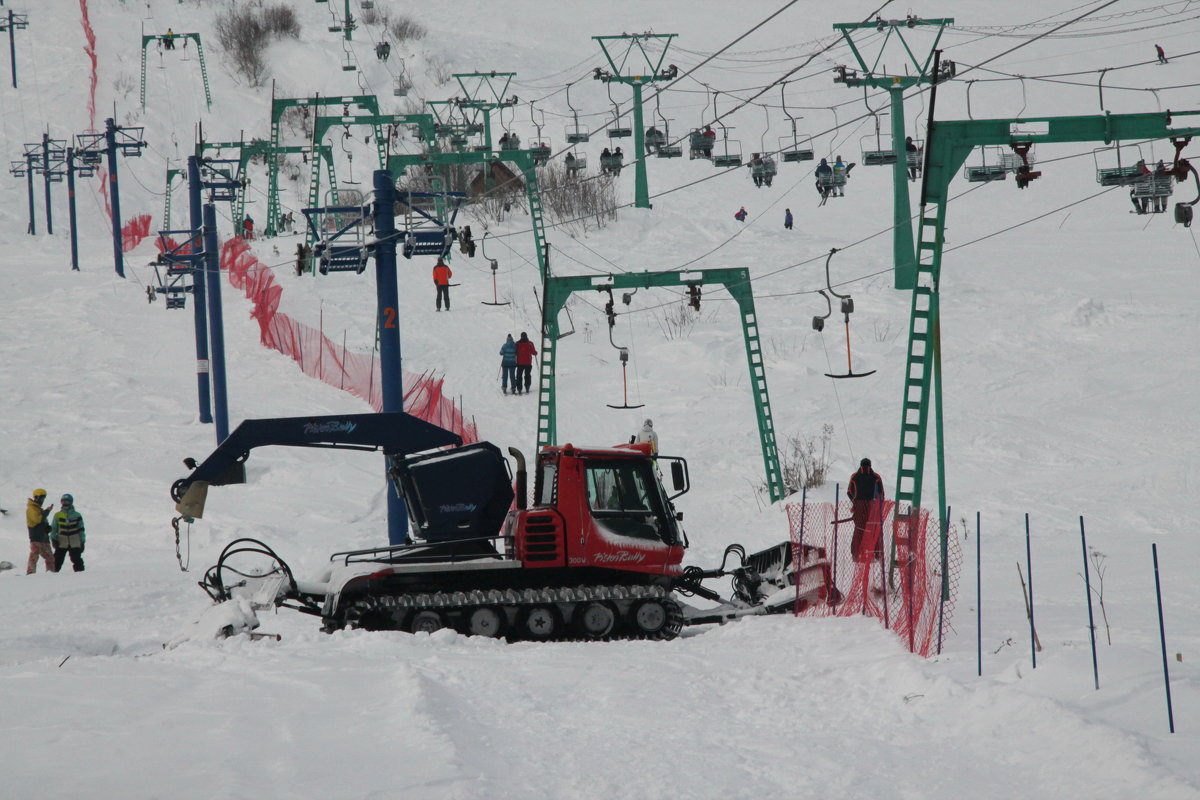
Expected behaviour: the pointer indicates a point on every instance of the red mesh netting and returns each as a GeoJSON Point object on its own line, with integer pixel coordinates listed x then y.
{"type": "Point", "coordinates": [908, 598]}
{"type": "Point", "coordinates": [134, 232]}
{"type": "Point", "coordinates": [319, 357]}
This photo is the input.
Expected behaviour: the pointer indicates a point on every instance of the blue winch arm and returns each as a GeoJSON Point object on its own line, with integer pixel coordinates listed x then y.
{"type": "Point", "coordinates": [394, 433]}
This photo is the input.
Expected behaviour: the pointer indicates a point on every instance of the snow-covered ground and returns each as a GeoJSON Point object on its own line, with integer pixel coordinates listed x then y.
{"type": "Point", "coordinates": [1068, 392]}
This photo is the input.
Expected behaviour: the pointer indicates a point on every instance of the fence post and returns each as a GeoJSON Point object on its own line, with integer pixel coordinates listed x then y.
{"type": "Point", "coordinates": [945, 526]}
{"type": "Point", "coordinates": [1087, 582]}
{"type": "Point", "coordinates": [1029, 569]}
{"type": "Point", "coordinates": [978, 599]}
{"type": "Point", "coordinates": [1162, 636]}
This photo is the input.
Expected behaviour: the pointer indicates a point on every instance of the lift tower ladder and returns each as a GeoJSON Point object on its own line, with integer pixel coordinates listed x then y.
{"type": "Point", "coordinates": [736, 282]}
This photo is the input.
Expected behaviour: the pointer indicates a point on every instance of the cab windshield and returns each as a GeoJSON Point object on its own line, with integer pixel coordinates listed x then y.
{"type": "Point", "coordinates": [624, 496]}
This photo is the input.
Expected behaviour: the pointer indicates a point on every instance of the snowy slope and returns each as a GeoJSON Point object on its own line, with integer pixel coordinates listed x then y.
{"type": "Point", "coordinates": [1069, 391]}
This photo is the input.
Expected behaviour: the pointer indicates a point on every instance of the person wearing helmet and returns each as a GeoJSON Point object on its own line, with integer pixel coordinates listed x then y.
{"type": "Point", "coordinates": [647, 434]}
{"type": "Point", "coordinates": [37, 520]}
{"type": "Point", "coordinates": [864, 490]}
{"type": "Point", "coordinates": [69, 537]}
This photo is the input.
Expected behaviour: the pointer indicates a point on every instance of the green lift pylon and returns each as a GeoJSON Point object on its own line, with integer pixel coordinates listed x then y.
{"type": "Point", "coordinates": [171, 37]}
{"type": "Point", "coordinates": [280, 106]}
{"type": "Point", "coordinates": [653, 72]}
{"type": "Point", "coordinates": [736, 281]}
{"type": "Point", "coordinates": [904, 257]}
{"type": "Point", "coordinates": [522, 159]}
{"type": "Point", "coordinates": [473, 85]}
{"type": "Point", "coordinates": [948, 145]}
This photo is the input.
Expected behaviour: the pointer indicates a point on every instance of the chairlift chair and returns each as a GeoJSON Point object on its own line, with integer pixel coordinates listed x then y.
{"type": "Point", "coordinates": [577, 162]}
{"type": "Point", "coordinates": [617, 130]}
{"type": "Point", "coordinates": [984, 171]}
{"type": "Point", "coordinates": [847, 308]}
{"type": "Point", "coordinates": [878, 155]}
{"type": "Point", "coordinates": [576, 133]}
{"type": "Point", "coordinates": [790, 147]}
{"type": "Point", "coordinates": [666, 149]}
{"type": "Point", "coordinates": [540, 150]}
{"type": "Point", "coordinates": [1127, 170]}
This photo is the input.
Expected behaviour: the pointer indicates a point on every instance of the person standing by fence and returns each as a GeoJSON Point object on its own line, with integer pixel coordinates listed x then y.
{"type": "Point", "coordinates": [864, 490]}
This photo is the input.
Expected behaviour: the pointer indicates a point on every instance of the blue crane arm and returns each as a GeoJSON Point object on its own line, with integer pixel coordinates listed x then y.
{"type": "Point", "coordinates": [396, 434]}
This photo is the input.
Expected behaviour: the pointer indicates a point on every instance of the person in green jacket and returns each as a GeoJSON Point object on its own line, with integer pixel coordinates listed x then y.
{"type": "Point", "coordinates": [66, 530]}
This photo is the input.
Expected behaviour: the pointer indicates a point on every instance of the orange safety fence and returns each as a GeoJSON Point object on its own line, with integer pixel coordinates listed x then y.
{"type": "Point", "coordinates": [881, 565]}
{"type": "Point", "coordinates": [321, 358]}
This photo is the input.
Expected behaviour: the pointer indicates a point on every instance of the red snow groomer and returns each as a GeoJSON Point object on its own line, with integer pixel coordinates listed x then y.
{"type": "Point", "coordinates": [596, 554]}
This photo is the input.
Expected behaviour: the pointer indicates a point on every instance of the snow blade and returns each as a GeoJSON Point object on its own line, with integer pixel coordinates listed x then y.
{"type": "Point", "coordinates": [218, 621]}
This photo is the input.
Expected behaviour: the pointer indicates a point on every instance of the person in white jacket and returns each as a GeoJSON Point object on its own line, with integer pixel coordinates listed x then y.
{"type": "Point", "coordinates": [647, 434]}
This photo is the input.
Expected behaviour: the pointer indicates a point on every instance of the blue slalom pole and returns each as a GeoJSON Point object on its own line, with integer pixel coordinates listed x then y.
{"type": "Point", "coordinates": [388, 316]}
{"type": "Point", "coordinates": [114, 194]}
{"type": "Point", "coordinates": [978, 598]}
{"type": "Point", "coordinates": [1087, 582]}
{"type": "Point", "coordinates": [216, 324]}
{"type": "Point", "coordinates": [1029, 569]}
{"type": "Point", "coordinates": [46, 182]}
{"type": "Point", "coordinates": [1162, 636]}
{"type": "Point", "coordinates": [71, 218]}
{"type": "Point", "coordinates": [199, 293]}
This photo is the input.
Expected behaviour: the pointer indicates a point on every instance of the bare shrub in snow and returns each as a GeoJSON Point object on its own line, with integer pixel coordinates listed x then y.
{"type": "Point", "coordinates": [405, 27]}
{"type": "Point", "coordinates": [804, 461]}
{"type": "Point", "coordinates": [574, 203]}
{"type": "Point", "coordinates": [244, 32]}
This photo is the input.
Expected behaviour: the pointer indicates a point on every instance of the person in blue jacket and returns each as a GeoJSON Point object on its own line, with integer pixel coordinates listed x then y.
{"type": "Point", "coordinates": [67, 533]}
{"type": "Point", "coordinates": [508, 364]}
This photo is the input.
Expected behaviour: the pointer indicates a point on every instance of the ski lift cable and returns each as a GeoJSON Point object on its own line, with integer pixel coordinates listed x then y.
{"type": "Point", "coordinates": [1042, 23]}
{"type": "Point", "coordinates": [838, 397]}
{"type": "Point", "coordinates": [788, 74]}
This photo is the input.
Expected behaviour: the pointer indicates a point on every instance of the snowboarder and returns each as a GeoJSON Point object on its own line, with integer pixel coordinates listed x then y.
{"type": "Point", "coordinates": [647, 434]}
{"type": "Point", "coordinates": [248, 228]}
{"type": "Point", "coordinates": [1162, 54]}
{"type": "Point", "coordinates": [169, 40]}
{"type": "Point", "coordinates": [66, 528]}
{"type": "Point", "coordinates": [787, 219]}
{"type": "Point", "coordinates": [508, 364]}
{"type": "Point", "coordinates": [839, 175]}
{"type": "Point", "coordinates": [525, 353]}
{"type": "Point", "coordinates": [741, 215]}
{"type": "Point", "coordinates": [864, 489]}
{"type": "Point", "coordinates": [441, 279]}
{"type": "Point", "coordinates": [39, 532]}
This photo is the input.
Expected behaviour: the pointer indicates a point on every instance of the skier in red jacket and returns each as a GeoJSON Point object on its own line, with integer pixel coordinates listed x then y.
{"type": "Point", "coordinates": [441, 279]}
{"type": "Point", "coordinates": [525, 354]}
